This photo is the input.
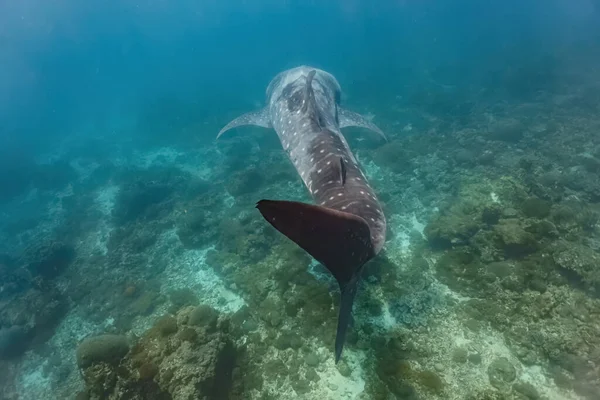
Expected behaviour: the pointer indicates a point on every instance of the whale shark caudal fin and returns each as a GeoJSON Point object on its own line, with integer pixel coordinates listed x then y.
{"type": "Point", "coordinates": [338, 240]}
{"type": "Point", "coordinates": [258, 118]}
{"type": "Point", "coordinates": [349, 118]}
{"type": "Point", "coordinates": [345, 314]}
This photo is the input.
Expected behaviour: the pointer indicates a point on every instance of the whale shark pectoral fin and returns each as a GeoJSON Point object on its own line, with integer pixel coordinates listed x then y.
{"type": "Point", "coordinates": [345, 316]}
{"type": "Point", "coordinates": [258, 118]}
{"type": "Point", "coordinates": [349, 118]}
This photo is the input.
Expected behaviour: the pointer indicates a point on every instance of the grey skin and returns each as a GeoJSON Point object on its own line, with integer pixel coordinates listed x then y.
{"type": "Point", "coordinates": [346, 226]}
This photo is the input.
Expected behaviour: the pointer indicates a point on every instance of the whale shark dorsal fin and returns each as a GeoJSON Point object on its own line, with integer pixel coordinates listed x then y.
{"type": "Point", "coordinates": [309, 93]}
{"type": "Point", "coordinates": [349, 118]}
{"type": "Point", "coordinates": [309, 104]}
{"type": "Point", "coordinates": [258, 118]}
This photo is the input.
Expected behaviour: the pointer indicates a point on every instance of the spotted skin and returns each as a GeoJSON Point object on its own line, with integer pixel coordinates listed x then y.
{"type": "Point", "coordinates": [316, 145]}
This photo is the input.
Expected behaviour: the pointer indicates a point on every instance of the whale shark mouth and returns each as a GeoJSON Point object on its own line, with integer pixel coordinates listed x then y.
{"type": "Point", "coordinates": [340, 241]}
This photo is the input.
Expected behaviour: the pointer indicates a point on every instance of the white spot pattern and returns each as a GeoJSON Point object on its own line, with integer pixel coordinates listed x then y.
{"type": "Point", "coordinates": [313, 154]}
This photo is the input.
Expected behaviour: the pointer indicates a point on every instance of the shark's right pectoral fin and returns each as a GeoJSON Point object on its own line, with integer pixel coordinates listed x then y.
{"type": "Point", "coordinates": [258, 118]}
{"type": "Point", "coordinates": [349, 118]}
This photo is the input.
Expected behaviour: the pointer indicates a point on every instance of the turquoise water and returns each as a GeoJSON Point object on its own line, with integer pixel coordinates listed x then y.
{"type": "Point", "coordinates": [121, 215]}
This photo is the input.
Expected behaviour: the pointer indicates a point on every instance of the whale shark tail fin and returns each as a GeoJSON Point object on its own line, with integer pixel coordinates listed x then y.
{"type": "Point", "coordinates": [258, 118]}
{"type": "Point", "coordinates": [339, 240]}
{"type": "Point", "coordinates": [345, 315]}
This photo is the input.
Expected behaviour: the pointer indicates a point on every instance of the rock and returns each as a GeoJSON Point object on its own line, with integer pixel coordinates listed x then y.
{"type": "Point", "coordinates": [145, 303]}
{"type": "Point", "coordinates": [29, 318]}
{"type": "Point", "coordinates": [491, 214]}
{"type": "Point", "coordinates": [508, 130]}
{"type": "Point", "coordinates": [104, 348]}
{"type": "Point", "coordinates": [13, 280]}
{"type": "Point", "coordinates": [459, 355]}
{"type": "Point", "coordinates": [500, 269]}
{"type": "Point", "coordinates": [510, 212]}
{"type": "Point", "coordinates": [311, 359]}
{"type": "Point", "coordinates": [244, 182]}
{"type": "Point", "coordinates": [204, 316]}
{"type": "Point", "coordinates": [475, 358]}
{"type": "Point", "coordinates": [50, 259]}
{"type": "Point", "coordinates": [527, 390]}
{"type": "Point", "coordinates": [275, 319]}
{"type": "Point", "coordinates": [534, 207]}
{"type": "Point", "coordinates": [300, 386]}
{"type": "Point", "coordinates": [579, 262]}
{"type": "Point", "coordinates": [166, 325]}
{"type": "Point", "coordinates": [473, 324]}
{"type": "Point", "coordinates": [590, 163]}
{"type": "Point", "coordinates": [197, 366]}
{"type": "Point", "coordinates": [587, 390]}
{"type": "Point", "coordinates": [538, 285]}
{"type": "Point", "coordinates": [543, 229]}
{"type": "Point", "coordinates": [199, 370]}
{"type": "Point", "coordinates": [183, 297]}
{"type": "Point", "coordinates": [312, 375]}
{"type": "Point", "coordinates": [13, 341]}
{"type": "Point", "coordinates": [344, 369]}
{"type": "Point", "coordinates": [501, 373]}
{"type": "Point", "coordinates": [515, 241]}
{"type": "Point", "coordinates": [431, 381]}
{"type": "Point", "coordinates": [451, 229]}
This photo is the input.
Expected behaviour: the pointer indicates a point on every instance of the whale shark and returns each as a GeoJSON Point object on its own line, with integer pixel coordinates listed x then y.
{"type": "Point", "coordinates": [346, 226]}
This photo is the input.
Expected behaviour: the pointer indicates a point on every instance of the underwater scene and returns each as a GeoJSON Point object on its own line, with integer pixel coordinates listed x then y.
{"type": "Point", "coordinates": [403, 200]}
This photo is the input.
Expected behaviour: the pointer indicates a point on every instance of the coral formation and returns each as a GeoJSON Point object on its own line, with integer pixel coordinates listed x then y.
{"type": "Point", "coordinates": [109, 349]}
{"type": "Point", "coordinates": [488, 287]}
{"type": "Point", "coordinates": [175, 359]}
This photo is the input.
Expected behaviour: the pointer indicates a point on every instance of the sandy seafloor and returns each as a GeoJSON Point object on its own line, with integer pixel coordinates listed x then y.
{"type": "Point", "coordinates": [442, 171]}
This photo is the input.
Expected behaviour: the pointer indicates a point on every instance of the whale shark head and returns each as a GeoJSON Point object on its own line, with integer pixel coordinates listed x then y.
{"type": "Point", "coordinates": [324, 78]}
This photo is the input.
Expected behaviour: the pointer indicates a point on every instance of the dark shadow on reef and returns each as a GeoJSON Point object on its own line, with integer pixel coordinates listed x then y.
{"type": "Point", "coordinates": [31, 305]}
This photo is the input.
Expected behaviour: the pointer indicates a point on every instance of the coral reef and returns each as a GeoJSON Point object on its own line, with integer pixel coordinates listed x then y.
{"type": "Point", "coordinates": [181, 357]}
{"type": "Point", "coordinates": [29, 319]}
{"type": "Point", "coordinates": [488, 287]}
{"type": "Point", "coordinates": [109, 349]}
{"type": "Point", "coordinates": [49, 259]}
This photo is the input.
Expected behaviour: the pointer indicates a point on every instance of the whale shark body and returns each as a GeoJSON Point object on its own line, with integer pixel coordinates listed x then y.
{"type": "Point", "coordinates": [346, 226]}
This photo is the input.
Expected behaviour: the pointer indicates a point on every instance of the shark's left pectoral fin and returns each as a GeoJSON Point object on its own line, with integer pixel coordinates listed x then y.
{"type": "Point", "coordinates": [349, 118]}
{"type": "Point", "coordinates": [258, 118]}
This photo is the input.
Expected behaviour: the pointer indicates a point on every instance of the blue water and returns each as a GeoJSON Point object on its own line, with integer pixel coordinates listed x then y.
{"type": "Point", "coordinates": [108, 115]}
{"type": "Point", "coordinates": [71, 63]}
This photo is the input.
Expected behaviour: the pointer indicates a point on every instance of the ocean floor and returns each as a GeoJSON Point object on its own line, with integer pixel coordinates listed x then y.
{"type": "Point", "coordinates": [488, 287]}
